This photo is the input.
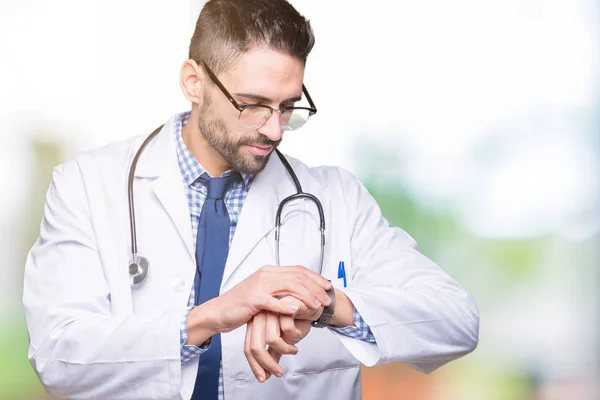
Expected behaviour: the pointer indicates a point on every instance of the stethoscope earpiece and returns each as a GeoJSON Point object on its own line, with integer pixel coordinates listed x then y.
{"type": "Point", "coordinates": [139, 269]}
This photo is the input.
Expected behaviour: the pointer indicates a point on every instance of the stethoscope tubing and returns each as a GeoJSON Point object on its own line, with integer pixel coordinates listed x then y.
{"type": "Point", "coordinates": [137, 265]}
{"type": "Point", "coordinates": [130, 190]}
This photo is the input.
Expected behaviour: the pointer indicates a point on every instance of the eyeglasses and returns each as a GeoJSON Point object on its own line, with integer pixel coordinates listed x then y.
{"type": "Point", "coordinates": [254, 116]}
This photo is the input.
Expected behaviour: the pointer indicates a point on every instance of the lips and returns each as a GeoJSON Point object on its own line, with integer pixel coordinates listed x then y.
{"type": "Point", "coordinates": [259, 150]}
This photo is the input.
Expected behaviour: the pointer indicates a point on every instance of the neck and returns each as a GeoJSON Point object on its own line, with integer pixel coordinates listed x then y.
{"type": "Point", "coordinates": [202, 151]}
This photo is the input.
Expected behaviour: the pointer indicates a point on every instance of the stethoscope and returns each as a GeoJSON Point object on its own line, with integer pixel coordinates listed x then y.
{"type": "Point", "coordinates": [139, 266]}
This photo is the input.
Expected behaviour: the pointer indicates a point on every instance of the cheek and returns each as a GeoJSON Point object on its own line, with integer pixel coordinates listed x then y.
{"type": "Point", "coordinates": [228, 118]}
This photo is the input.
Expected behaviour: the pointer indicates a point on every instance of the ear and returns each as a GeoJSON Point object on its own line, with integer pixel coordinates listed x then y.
{"type": "Point", "coordinates": [191, 80]}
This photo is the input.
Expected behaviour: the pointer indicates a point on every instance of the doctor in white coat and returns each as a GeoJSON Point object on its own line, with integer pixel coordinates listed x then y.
{"type": "Point", "coordinates": [94, 336]}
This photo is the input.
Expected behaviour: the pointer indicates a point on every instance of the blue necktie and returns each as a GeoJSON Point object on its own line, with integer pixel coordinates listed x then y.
{"type": "Point", "coordinates": [212, 246]}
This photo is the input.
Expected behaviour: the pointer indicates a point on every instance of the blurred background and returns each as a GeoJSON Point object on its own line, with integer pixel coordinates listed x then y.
{"type": "Point", "coordinates": [474, 123]}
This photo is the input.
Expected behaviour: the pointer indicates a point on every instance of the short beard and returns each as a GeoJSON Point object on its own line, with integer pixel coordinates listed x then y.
{"type": "Point", "coordinates": [215, 132]}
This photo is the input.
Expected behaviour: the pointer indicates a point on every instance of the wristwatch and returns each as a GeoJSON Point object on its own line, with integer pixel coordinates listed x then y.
{"type": "Point", "coordinates": [327, 314]}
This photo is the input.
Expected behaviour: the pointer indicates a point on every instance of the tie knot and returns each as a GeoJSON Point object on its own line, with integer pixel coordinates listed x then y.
{"type": "Point", "coordinates": [217, 187]}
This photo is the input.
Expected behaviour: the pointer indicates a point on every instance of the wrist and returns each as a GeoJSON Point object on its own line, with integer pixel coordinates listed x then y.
{"type": "Point", "coordinates": [343, 313]}
{"type": "Point", "coordinates": [201, 325]}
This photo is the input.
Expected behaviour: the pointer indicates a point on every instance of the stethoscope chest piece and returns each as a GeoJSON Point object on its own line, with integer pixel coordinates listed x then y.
{"type": "Point", "coordinates": [139, 268]}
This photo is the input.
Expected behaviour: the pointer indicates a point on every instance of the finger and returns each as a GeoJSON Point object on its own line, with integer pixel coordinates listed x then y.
{"type": "Point", "coordinates": [318, 278]}
{"type": "Point", "coordinates": [288, 327]}
{"type": "Point", "coordinates": [301, 287]}
{"type": "Point", "coordinates": [309, 315]}
{"type": "Point", "coordinates": [316, 289]}
{"type": "Point", "coordinates": [276, 356]}
{"type": "Point", "coordinates": [304, 312]}
{"type": "Point", "coordinates": [258, 344]}
{"type": "Point", "coordinates": [270, 303]}
{"type": "Point", "coordinates": [257, 370]}
{"type": "Point", "coordinates": [273, 336]}
{"type": "Point", "coordinates": [292, 281]}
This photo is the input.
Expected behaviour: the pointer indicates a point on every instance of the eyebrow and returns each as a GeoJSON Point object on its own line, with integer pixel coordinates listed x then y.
{"type": "Point", "coordinates": [260, 98]}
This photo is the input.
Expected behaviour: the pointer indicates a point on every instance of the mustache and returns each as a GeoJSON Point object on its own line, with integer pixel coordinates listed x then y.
{"type": "Point", "coordinates": [259, 141]}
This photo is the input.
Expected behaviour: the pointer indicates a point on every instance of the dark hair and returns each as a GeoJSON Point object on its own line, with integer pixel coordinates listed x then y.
{"type": "Point", "coordinates": [226, 29]}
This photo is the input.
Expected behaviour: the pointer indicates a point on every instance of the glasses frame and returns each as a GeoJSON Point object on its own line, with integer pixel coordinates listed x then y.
{"type": "Point", "coordinates": [312, 110]}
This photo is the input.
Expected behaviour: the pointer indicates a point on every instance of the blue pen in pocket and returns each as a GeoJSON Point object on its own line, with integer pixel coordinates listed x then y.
{"type": "Point", "coordinates": [342, 272]}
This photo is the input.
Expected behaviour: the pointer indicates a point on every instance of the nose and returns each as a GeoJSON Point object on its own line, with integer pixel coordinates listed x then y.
{"type": "Point", "coordinates": [272, 128]}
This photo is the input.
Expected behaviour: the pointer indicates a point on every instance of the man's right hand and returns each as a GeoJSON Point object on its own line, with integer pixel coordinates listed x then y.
{"type": "Point", "coordinates": [260, 291]}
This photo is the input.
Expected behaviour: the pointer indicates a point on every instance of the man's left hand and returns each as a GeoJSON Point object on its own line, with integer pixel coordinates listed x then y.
{"type": "Point", "coordinates": [281, 333]}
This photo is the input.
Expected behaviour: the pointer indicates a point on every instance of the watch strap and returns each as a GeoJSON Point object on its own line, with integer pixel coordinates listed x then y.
{"type": "Point", "coordinates": [327, 314]}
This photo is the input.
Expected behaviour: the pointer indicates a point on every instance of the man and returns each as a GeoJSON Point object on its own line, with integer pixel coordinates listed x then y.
{"type": "Point", "coordinates": [229, 301]}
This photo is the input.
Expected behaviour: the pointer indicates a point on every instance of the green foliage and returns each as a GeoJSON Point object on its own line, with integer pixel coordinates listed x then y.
{"type": "Point", "coordinates": [432, 229]}
{"type": "Point", "coordinates": [17, 378]}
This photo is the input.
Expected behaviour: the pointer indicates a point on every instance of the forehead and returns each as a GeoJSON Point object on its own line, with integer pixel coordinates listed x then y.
{"type": "Point", "coordinates": [265, 72]}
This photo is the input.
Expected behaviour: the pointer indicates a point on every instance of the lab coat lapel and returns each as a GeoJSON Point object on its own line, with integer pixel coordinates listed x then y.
{"type": "Point", "coordinates": [257, 218]}
{"type": "Point", "coordinates": [159, 161]}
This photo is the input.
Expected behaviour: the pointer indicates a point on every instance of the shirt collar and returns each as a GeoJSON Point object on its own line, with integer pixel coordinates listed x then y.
{"type": "Point", "coordinates": [190, 168]}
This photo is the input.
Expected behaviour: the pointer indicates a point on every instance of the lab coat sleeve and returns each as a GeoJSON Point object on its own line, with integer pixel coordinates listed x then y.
{"type": "Point", "coordinates": [78, 348]}
{"type": "Point", "coordinates": [417, 312]}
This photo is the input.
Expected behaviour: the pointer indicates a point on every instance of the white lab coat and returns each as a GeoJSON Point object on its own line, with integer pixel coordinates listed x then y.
{"type": "Point", "coordinates": [93, 337]}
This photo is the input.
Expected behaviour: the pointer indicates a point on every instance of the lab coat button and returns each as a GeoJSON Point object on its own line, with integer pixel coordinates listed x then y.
{"type": "Point", "coordinates": [178, 284]}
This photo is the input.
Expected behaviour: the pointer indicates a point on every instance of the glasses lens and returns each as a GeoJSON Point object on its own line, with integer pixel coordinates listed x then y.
{"type": "Point", "coordinates": [253, 117]}
{"type": "Point", "coordinates": [293, 119]}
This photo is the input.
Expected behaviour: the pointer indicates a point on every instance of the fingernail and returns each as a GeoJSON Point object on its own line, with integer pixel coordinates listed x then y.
{"type": "Point", "coordinates": [278, 374]}
{"type": "Point", "coordinates": [316, 303]}
{"type": "Point", "coordinates": [327, 301]}
{"type": "Point", "coordinates": [261, 378]}
{"type": "Point", "coordinates": [293, 308]}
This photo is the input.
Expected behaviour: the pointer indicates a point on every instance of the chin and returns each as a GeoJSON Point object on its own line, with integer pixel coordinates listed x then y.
{"type": "Point", "coordinates": [251, 164]}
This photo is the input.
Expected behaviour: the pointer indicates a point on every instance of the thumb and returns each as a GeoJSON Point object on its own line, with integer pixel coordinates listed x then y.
{"type": "Point", "coordinates": [280, 306]}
